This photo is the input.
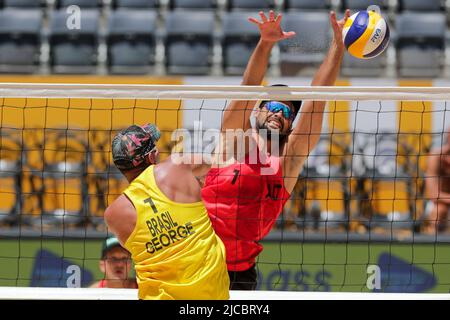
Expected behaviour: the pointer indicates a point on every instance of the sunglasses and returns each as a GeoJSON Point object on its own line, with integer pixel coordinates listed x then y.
{"type": "Point", "coordinates": [275, 107]}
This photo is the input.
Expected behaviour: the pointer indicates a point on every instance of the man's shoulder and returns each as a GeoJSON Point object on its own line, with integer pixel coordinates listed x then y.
{"type": "Point", "coordinates": [172, 173]}
{"type": "Point", "coordinates": [121, 206]}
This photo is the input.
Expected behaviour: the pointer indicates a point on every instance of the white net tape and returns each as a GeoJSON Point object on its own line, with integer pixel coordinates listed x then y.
{"type": "Point", "coordinates": [131, 294]}
{"type": "Point", "coordinates": [102, 91]}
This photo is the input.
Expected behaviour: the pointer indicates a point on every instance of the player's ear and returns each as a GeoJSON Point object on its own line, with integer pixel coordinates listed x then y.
{"type": "Point", "coordinates": [101, 265]}
{"type": "Point", "coordinates": [152, 157]}
{"type": "Point", "coordinates": [257, 108]}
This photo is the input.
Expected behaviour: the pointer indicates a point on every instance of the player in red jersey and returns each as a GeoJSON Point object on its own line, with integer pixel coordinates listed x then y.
{"type": "Point", "coordinates": [245, 198]}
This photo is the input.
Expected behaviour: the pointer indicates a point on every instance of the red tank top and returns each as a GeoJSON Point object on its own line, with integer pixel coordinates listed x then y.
{"type": "Point", "coordinates": [102, 283]}
{"type": "Point", "coordinates": [243, 201]}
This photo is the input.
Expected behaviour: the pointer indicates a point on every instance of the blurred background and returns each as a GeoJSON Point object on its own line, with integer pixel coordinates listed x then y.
{"type": "Point", "coordinates": [208, 37]}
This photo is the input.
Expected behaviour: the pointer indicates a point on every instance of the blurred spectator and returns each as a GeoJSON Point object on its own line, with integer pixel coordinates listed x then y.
{"type": "Point", "coordinates": [437, 183]}
{"type": "Point", "coordinates": [115, 264]}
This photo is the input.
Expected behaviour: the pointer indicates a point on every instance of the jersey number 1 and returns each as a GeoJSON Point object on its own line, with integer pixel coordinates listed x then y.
{"type": "Point", "coordinates": [152, 204]}
{"type": "Point", "coordinates": [236, 174]}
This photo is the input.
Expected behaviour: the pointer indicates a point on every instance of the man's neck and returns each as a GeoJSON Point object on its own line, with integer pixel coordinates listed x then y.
{"type": "Point", "coordinates": [133, 174]}
{"type": "Point", "coordinates": [116, 283]}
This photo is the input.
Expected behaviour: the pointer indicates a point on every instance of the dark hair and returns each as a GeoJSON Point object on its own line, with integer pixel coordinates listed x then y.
{"type": "Point", "coordinates": [131, 146]}
{"type": "Point", "coordinates": [141, 167]}
{"type": "Point", "coordinates": [110, 243]}
{"type": "Point", "coordinates": [296, 103]}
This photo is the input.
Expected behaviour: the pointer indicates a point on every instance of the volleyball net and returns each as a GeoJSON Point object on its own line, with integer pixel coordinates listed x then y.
{"type": "Point", "coordinates": [358, 220]}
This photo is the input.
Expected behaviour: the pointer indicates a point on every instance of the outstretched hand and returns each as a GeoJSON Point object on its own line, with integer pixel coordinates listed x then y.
{"type": "Point", "coordinates": [338, 26]}
{"type": "Point", "coordinates": [270, 28]}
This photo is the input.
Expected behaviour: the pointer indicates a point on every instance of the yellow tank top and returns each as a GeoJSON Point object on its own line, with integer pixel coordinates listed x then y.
{"type": "Point", "coordinates": [177, 254]}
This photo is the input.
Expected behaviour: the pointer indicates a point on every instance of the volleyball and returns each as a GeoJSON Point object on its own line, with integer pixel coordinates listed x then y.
{"type": "Point", "coordinates": [366, 34]}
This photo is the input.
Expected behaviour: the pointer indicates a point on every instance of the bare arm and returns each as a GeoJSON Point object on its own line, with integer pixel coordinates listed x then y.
{"type": "Point", "coordinates": [306, 133]}
{"type": "Point", "coordinates": [199, 163]}
{"type": "Point", "coordinates": [237, 114]}
{"type": "Point", "coordinates": [120, 217]}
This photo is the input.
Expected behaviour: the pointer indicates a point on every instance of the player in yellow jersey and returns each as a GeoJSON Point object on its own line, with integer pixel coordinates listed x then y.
{"type": "Point", "coordinates": [161, 219]}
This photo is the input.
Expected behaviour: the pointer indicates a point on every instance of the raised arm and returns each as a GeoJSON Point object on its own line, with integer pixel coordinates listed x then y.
{"type": "Point", "coordinates": [306, 133]}
{"type": "Point", "coordinates": [237, 114]}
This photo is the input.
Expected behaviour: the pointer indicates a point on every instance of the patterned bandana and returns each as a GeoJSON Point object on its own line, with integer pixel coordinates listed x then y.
{"type": "Point", "coordinates": [132, 145]}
